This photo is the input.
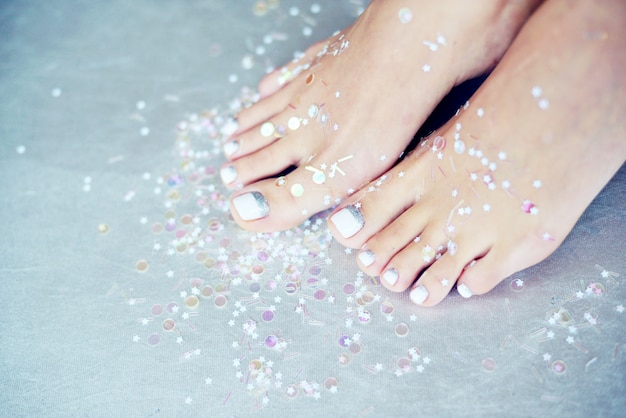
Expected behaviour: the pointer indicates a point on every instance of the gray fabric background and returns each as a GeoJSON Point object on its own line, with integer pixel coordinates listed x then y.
{"type": "Point", "coordinates": [78, 334]}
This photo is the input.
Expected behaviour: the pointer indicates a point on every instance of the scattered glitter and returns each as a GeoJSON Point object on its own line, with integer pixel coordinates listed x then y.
{"type": "Point", "coordinates": [536, 91]}
{"type": "Point", "coordinates": [426, 68]}
{"type": "Point", "coordinates": [20, 149]}
{"type": "Point", "coordinates": [480, 112]}
{"type": "Point", "coordinates": [103, 228]}
{"type": "Point", "coordinates": [55, 92]}
{"type": "Point", "coordinates": [281, 181]}
{"type": "Point", "coordinates": [140, 105]}
{"type": "Point", "coordinates": [145, 131]}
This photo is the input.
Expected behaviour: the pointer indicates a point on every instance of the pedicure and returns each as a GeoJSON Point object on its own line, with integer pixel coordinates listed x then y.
{"type": "Point", "coordinates": [228, 174]}
{"type": "Point", "coordinates": [419, 294]}
{"type": "Point", "coordinates": [231, 147]}
{"type": "Point", "coordinates": [251, 206]}
{"type": "Point", "coordinates": [391, 276]}
{"type": "Point", "coordinates": [348, 221]}
{"type": "Point", "coordinates": [367, 257]}
{"type": "Point", "coordinates": [464, 290]}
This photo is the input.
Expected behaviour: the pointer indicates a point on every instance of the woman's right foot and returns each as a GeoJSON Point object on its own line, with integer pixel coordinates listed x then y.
{"type": "Point", "coordinates": [343, 113]}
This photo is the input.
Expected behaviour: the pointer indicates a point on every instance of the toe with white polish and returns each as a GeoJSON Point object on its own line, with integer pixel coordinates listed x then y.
{"type": "Point", "coordinates": [464, 291]}
{"type": "Point", "coordinates": [231, 147]}
{"type": "Point", "coordinates": [391, 276]}
{"type": "Point", "coordinates": [348, 221]}
{"type": "Point", "coordinates": [228, 174]}
{"type": "Point", "coordinates": [251, 206]}
{"type": "Point", "coordinates": [367, 258]}
{"type": "Point", "coordinates": [419, 294]}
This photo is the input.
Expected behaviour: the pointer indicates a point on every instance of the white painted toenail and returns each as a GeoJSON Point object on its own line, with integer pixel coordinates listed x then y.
{"type": "Point", "coordinates": [231, 147]}
{"type": "Point", "coordinates": [367, 257]}
{"type": "Point", "coordinates": [391, 276]}
{"type": "Point", "coordinates": [251, 206]}
{"type": "Point", "coordinates": [348, 221]}
{"type": "Point", "coordinates": [419, 294]}
{"type": "Point", "coordinates": [464, 291]}
{"type": "Point", "coordinates": [228, 174]}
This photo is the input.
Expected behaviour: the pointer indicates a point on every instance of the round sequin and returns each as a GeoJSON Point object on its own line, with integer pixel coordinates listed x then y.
{"type": "Point", "coordinates": [559, 367]}
{"type": "Point", "coordinates": [267, 129]}
{"type": "Point", "coordinates": [459, 146]}
{"type": "Point", "coordinates": [355, 348]}
{"type": "Point", "coordinates": [344, 359]}
{"type": "Point", "coordinates": [156, 309]}
{"type": "Point", "coordinates": [207, 291]}
{"type": "Point", "coordinates": [254, 287]}
{"type": "Point", "coordinates": [154, 339]}
{"type": "Point", "coordinates": [270, 341]}
{"type": "Point", "coordinates": [405, 15]}
{"type": "Point", "coordinates": [330, 382]}
{"type": "Point", "coordinates": [403, 363]}
{"type": "Point", "coordinates": [103, 228]}
{"type": "Point", "coordinates": [142, 266]}
{"type": "Point", "coordinates": [313, 110]}
{"type": "Point", "coordinates": [439, 143]}
{"type": "Point", "coordinates": [364, 316]}
{"type": "Point", "coordinates": [220, 301]}
{"type": "Point", "coordinates": [386, 308]}
{"type": "Point", "coordinates": [319, 294]}
{"type": "Point", "coordinates": [192, 301]}
{"type": "Point", "coordinates": [517, 285]}
{"type": "Point", "coordinates": [281, 181]}
{"type": "Point", "coordinates": [348, 288]}
{"type": "Point", "coordinates": [293, 123]}
{"type": "Point", "coordinates": [169, 324]}
{"type": "Point", "coordinates": [489, 364]}
{"type": "Point", "coordinates": [402, 329]}
{"type": "Point", "coordinates": [319, 177]}
{"type": "Point", "coordinates": [297, 190]}
{"type": "Point", "coordinates": [267, 315]}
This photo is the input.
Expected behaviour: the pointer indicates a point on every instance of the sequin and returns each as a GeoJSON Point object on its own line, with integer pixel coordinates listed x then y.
{"type": "Point", "coordinates": [142, 266]}
{"type": "Point", "coordinates": [402, 330]}
{"type": "Point", "coordinates": [297, 190]}
{"type": "Point", "coordinates": [459, 146]}
{"type": "Point", "coordinates": [293, 123]}
{"type": "Point", "coordinates": [267, 129]}
{"type": "Point", "coordinates": [313, 111]}
{"type": "Point", "coordinates": [489, 364]}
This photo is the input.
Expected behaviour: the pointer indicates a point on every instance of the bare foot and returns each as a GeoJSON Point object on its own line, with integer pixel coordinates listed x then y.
{"type": "Point", "coordinates": [500, 186]}
{"type": "Point", "coordinates": [343, 114]}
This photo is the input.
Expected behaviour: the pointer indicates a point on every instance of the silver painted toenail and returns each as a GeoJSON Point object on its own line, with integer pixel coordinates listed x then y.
{"type": "Point", "coordinates": [251, 206]}
{"type": "Point", "coordinates": [348, 221]}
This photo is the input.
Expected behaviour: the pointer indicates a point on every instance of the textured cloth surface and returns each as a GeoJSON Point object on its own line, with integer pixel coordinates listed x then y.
{"type": "Point", "coordinates": [129, 291]}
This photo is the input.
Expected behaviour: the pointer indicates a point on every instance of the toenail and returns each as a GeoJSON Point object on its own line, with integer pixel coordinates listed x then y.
{"type": "Point", "coordinates": [367, 257]}
{"type": "Point", "coordinates": [228, 174]}
{"type": "Point", "coordinates": [231, 147]}
{"type": "Point", "coordinates": [348, 221]}
{"type": "Point", "coordinates": [419, 294]}
{"type": "Point", "coordinates": [391, 276]}
{"type": "Point", "coordinates": [251, 206]}
{"type": "Point", "coordinates": [464, 290]}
